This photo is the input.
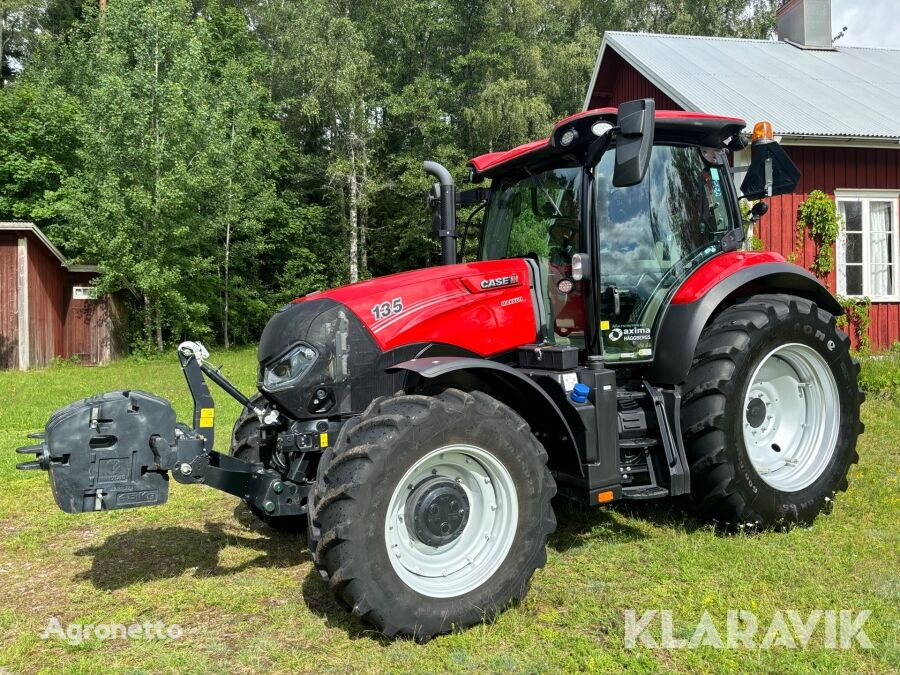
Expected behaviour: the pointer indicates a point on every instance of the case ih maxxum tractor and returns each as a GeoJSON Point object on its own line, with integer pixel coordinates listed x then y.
{"type": "Point", "coordinates": [613, 341]}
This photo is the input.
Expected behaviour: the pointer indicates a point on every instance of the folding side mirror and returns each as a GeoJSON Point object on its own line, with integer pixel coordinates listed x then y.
{"type": "Point", "coordinates": [634, 141]}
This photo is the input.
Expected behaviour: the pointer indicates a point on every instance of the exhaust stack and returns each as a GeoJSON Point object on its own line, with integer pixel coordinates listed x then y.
{"type": "Point", "coordinates": [442, 201]}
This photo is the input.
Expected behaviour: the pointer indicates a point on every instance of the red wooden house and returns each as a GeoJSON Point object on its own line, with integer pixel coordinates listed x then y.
{"type": "Point", "coordinates": [48, 307]}
{"type": "Point", "coordinates": [836, 109]}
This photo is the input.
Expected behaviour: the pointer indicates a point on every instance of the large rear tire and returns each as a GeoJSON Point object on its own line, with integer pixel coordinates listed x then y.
{"type": "Point", "coordinates": [433, 512]}
{"type": "Point", "coordinates": [771, 413]}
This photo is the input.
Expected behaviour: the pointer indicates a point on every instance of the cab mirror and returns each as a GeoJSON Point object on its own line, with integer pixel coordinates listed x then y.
{"type": "Point", "coordinates": [771, 172]}
{"type": "Point", "coordinates": [634, 141]}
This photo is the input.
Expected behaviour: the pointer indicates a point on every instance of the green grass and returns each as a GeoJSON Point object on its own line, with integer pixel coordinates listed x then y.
{"type": "Point", "coordinates": [880, 374]}
{"type": "Point", "coordinates": [249, 600]}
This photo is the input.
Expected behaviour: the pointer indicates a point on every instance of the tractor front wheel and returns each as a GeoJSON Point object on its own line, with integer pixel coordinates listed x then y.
{"type": "Point", "coordinates": [433, 512]}
{"type": "Point", "coordinates": [771, 413]}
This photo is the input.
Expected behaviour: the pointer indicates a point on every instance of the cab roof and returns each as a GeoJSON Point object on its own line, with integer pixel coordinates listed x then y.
{"type": "Point", "coordinates": [671, 125]}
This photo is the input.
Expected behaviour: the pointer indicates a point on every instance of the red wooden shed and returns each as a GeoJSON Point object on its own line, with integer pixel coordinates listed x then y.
{"type": "Point", "coordinates": [48, 307]}
{"type": "Point", "coordinates": [836, 109]}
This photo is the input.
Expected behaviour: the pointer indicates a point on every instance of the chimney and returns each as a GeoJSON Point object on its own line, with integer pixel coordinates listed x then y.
{"type": "Point", "coordinates": [805, 23]}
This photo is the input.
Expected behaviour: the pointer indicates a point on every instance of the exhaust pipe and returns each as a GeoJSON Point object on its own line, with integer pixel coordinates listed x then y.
{"type": "Point", "coordinates": [442, 201]}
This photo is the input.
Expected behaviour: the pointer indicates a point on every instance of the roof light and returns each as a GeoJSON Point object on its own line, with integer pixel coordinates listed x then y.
{"type": "Point", "coordinates": [600, 128]}
{"type": "Point", "coordinates": [568, 137]}
{"type": "Point", "coordinates": [762, 132]}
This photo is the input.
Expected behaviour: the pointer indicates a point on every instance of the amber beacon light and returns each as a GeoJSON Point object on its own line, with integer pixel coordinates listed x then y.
{"type": "Point", "coordinates": [762, 132]}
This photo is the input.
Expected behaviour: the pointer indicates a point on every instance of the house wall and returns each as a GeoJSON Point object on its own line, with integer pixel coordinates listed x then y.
{"type": "Point", "coordinates": [620, 82]}
{"type": "Point", "coordinates": [830, 169]}
{"type": "Point", "coordinates": [46, 302]}
{"type": "Point", "coordinates": [822, 168]}
{"type": "Point", "coordinates": [9, 300]}
{"type": "Point", "coordinates": [89, 324]}
{"type": "Point", "coordinates": [56, 323]}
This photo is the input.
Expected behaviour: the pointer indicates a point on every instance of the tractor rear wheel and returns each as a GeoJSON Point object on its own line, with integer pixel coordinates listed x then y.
{"type": "Point", "coordinates": [245, 445]}
{"type": "Point", "coordinates": [433, 512]}
{"type": "Point", "coordinates": [771, 413]}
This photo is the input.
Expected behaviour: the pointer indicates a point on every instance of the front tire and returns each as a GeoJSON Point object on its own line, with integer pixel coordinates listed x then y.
{"type": "Point", "coordinates": [433, 512]}
{"type": "Point", "coordinates": [771, 413]}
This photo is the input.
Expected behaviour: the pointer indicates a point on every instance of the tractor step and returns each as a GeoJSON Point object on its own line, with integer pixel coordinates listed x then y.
{"type": "Point", "coordinates": [637, 443]}
{"type": "Point", "coordinates": [644, 492]}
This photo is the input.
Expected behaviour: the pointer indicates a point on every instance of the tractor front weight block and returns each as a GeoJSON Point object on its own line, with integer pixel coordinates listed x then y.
{"type": "Point", "coordinates": [103, 452]}
{"type": "Point", "coordinates": [115, 451]}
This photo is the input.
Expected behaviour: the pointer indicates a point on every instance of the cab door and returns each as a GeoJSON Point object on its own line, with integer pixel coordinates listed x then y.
{"type": "Point", "coordinates": [650, 236]}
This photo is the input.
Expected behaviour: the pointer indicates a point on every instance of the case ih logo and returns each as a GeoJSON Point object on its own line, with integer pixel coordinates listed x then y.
{"type": "Point", "coordinates": [511, 280]}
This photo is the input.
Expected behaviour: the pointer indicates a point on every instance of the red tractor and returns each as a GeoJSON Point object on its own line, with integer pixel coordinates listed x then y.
{"type": "Point", "coordinates": [613, 341]}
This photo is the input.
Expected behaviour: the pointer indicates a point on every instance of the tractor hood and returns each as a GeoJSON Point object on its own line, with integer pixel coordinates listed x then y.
{"type": "Point", "coordinates": [360, 330]}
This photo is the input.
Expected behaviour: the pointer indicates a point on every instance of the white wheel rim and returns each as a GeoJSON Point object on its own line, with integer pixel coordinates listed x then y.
{"type": "Point", "coordinates": [790, 417]}
{"type": "Point", "coordinates": [469, 560]}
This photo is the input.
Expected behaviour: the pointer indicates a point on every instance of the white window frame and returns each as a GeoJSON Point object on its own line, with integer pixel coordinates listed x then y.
{"type": "Point", "coordinates": [84, 292]}
{"type": "Point", "coordinates": [866, 196]}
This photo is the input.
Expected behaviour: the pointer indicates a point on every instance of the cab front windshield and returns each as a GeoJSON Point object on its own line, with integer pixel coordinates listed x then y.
{"type": "Point", "coordinates": [649, 236]}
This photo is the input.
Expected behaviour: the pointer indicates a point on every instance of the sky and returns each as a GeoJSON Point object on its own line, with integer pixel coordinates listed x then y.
{"type": "Point", "coordinates": [870, 23]}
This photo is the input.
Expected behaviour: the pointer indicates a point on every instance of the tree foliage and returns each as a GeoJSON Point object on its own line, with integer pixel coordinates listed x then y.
{"type": "Point", "coordinates": [219, 157]}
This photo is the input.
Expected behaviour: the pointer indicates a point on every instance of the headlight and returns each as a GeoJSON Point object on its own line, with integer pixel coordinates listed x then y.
{"type": "Point", "coordinates": [289, 368]}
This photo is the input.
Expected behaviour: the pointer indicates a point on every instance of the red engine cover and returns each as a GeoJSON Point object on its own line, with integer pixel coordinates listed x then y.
{"type": "Point", "coordinates": [483, 307]}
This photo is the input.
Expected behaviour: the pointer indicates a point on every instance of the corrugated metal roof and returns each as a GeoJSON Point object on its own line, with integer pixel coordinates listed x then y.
{"type": "Point", "coordinates": [847, 92]}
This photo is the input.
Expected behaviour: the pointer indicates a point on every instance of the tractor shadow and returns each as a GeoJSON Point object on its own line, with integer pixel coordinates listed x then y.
{"type": "Point", "coordinates": [150, 554]}
{"type": "Point", "coordinates": [620, 522]}
{"type": "Point", "coordinates": [335, 614]}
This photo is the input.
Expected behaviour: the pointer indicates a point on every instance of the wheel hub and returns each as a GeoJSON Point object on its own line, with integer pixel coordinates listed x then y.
{"type": "Point", "coordinates": [756, 412]}
{"type": "Point", "coordinates": [437, 511]}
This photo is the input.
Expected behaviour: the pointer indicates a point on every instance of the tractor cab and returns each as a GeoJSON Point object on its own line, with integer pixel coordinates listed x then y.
{"type": "Point", "coordinates": [610, 243]}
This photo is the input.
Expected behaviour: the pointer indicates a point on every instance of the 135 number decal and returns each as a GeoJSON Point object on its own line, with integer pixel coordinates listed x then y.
{"type": "Point", "coordinates": [385, 309]}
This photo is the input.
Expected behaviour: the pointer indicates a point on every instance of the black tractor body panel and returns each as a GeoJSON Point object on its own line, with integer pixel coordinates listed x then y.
{"type": "Point", "coordinates": [505, 383]}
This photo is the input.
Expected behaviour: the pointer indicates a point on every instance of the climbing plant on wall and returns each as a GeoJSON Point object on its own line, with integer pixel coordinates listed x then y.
{"type": "Point", "coordinates": [856, 320]}
{"type": "Point", "coordinates": [819, 216]}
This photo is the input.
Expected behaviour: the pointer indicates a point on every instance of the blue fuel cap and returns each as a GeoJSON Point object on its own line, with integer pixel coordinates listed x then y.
{"type": "Point", "coordinates": [580, 393]}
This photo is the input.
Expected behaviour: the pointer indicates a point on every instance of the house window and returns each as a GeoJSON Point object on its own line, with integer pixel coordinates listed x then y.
{"type": "Point", "coordinates": [868, 250]}
{"type": "Point", "coordinates": [84, 293]}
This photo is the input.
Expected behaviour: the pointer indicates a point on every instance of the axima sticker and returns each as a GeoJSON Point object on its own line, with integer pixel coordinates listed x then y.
{"type": "Point", "coordinates": [629, 334]}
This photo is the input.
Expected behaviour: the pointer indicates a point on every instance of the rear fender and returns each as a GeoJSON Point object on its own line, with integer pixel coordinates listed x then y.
{"type": "Point", "coordinates": [506, 384]}
{"type": "Point", "coordinates": [692, 308]}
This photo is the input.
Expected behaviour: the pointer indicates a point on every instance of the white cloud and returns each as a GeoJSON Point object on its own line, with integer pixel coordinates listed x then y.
{"type": "Point", "coordinates": [870, 23]}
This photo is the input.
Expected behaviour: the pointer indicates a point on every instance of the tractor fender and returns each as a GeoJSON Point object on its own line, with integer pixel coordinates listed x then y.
{"type": "Point", "coordinates": [689, 312]}
{"type": "Point", "coordinates": [508, 385]}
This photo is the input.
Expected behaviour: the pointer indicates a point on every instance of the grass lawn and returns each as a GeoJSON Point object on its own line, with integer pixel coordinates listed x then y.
{"type": "Point", "coordinates": [249, 600]}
